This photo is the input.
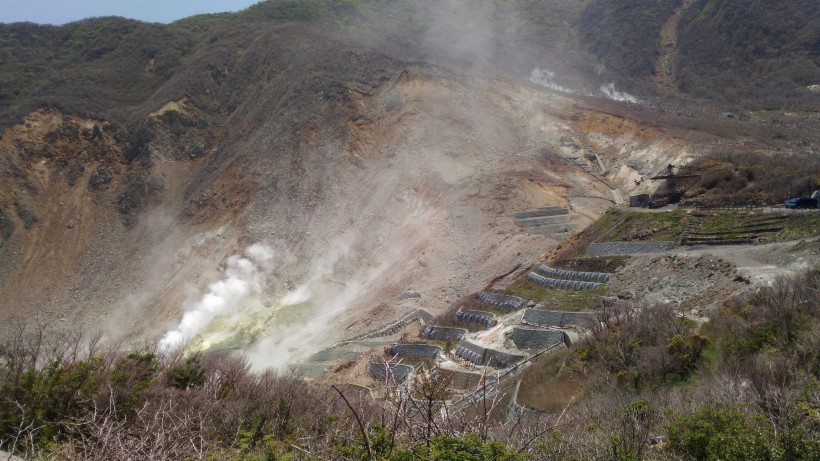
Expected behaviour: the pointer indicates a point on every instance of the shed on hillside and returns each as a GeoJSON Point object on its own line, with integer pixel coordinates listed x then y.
{"type": "Point", "coordinates": [640, 200]}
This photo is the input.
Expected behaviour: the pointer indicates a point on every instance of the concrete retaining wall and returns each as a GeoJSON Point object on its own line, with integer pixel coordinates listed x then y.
{"type": "Point", "coordinates": [550, 229]}
{"type": "Point", "coordinates": [498, 359]}
{"type": "Point", "coordinates": [541, 212]}
{"type": "Point", "coordinates": [333, 355]}
{"type": "Point", "coordinates": [558, 283]}
{"type": "Point", "coordinates": [533, 338]}
{"type": "Point", "coordinates": [574, 275]}
{"type": "Point", "coordinates": [415, 350]}
{"type": "Point", "coordinates": [443, 333]}
{"type": "Point", "coordinates": [628, 248]}
{"type": "Point", "coordinates": [382, 371]}
{"type": "Point", "coordinates": [558, 319]}
{"type": "Point", "coordinates": [482, 356]}
{"type": "Point", "coordinates": [470, 352]}
{"type": "Point", "coordinates": [542, 220]}
{"type": "Point", "coordinates": [462, 380]}
{"type": "Point", "coordinates": [484, 318]}
{"type": "Point", "coordinates": [499, 300]}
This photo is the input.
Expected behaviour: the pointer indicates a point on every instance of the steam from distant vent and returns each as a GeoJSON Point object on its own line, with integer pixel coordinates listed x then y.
{"type": "Point", "coordinates": [244, 275]}
{"type": "Point", "coordinates": [546, 78]}
{"type": "Point", "coordinates": [610, 92]}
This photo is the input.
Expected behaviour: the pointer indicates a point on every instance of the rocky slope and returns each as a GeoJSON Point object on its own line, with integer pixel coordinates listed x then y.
{"type": "Point", "coordinates": [367, 175]}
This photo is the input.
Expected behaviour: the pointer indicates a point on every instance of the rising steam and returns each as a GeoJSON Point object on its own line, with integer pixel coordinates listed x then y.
{"type": "Point", "coordinates": [243, 276]}
{"type": "Point", "coordinates": [546, 78]}
{"type": "Point", "coordinates": [610, 92]}
{"type": "Point", "coordinates": [327, 298]}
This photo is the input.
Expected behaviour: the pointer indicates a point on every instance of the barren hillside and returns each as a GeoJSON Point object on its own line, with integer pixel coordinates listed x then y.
{"type": "Point", "coordinates": [379, 183]}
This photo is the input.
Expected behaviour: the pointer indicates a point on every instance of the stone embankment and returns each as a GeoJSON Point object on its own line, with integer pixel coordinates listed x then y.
{"type": "Point", "coordinates": [484, 318]}
{"type": "Point", "coordinates": [463, 380]}
{"type": "Point", "coordinates": [382, 371]}
{"type": "Point", "coordinates": [443, 333]}
{"type": "Point", "coordinates": [628, 248]}
{"type": "Point", "coordinates": [483, 356]}
{"type": "Point", "coordinates": [574, 275]}
{"type": "Point", "coordinates": [415, 350]}
{"type": "Point", "coordinates": [499, 300]}
{"type": "Point", "coordinates": [560, 283]}
{"type": "Point", "coordinates": [529, 338]}
{"type": "Point", "coordinates": [546, 220]}
{"type": "Point", "coordinates": [558, 319]}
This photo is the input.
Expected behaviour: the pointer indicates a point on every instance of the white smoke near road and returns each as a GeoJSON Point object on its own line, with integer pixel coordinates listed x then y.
{"type": "Point", "coordinates": [243, 276]}
{"type": "Point", "coordinates": [546, 78]}
{"type": "Point", "coordinates": [610, 92]}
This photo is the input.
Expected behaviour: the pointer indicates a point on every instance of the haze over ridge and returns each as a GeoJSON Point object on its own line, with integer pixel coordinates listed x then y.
{"type": "Point", "coordinates": [60, 12]}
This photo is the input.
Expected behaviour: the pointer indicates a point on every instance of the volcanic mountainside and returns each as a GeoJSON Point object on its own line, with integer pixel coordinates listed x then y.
{"type": "Point", "coordinates": [381, 184]}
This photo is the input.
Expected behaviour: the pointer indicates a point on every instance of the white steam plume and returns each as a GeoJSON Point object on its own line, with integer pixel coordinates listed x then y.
{"type": "Point", "coordinates": [287, 344]}
{"type": "Point", "coordinates": [610, 92]}
{"type": "Point", "coordinates": [243, 276]}
{"type": "Point", "coordinates": [545, 78]}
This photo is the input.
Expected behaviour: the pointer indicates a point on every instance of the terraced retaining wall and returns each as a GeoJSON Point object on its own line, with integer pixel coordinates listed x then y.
{"type": "Point", "coordinates": [574, 275]}
{"type": "Point", "coordinates": [498, 359]}
{"type": "Point", "coordinates": [485, 318]}
{"type": "Point", "coordinates": [443, 333]}
{"type": "Point", "coordinates": [463, 380]}
{"type": "Point", "coordinates": [499, 300]}
{"type": "Point", "coordinates": [483, 356]}
{"type": "Point", "coordinates": [628, 248]}
{"type": "Point", "coordinates": [470, 352]}
{"type": "Point", "coordinates": [415, 350]}
{"type": "Point", "coordinates": [333, 355]}
{"type": "Point", "coordinates": [542, 220]}
{"type": "Point", "coordinates": [560, 283]}
{"type": "Point", "coordinates": [543, 318]}
{"type": "Point", "coordinates": [549, 229]}
{"type": "Point", "coordinates": [534, 338]}
{"type": "Point", "coordinates": [382, 371]}
{"type": "Point", "coordinates": [541, 212]}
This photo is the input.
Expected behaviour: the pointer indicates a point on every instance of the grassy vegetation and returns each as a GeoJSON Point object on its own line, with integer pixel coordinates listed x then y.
{"type": "Point", "coordinates": [800, 225]}
{"type": "Point", "coordinates": [726, 221]}
{"type": "Point", "coordinates": [593, 264]}
{"type": "Point", "coordinates": [737, 224]}
{"type": "Point", "coordinates": [635, 225]}
{"type": "Point", "coordinates": [556, 298]}
{"type": "Point", "coordinates": [625, 225]}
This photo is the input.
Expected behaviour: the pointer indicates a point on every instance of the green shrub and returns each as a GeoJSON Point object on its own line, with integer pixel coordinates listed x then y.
{"type": "Point", "coordinates": [186, 375]}
{"type": "Point", "coordinates": [712, 434]}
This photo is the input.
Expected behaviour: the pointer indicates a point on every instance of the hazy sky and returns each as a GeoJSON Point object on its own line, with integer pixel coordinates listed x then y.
{"type": "Point", "coordinates": [63, 11]}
